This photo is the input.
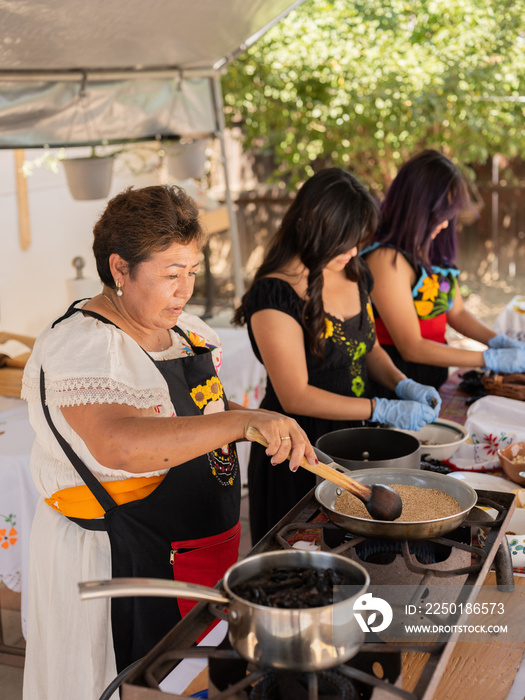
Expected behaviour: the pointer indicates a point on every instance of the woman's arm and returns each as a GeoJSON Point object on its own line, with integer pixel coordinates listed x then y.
{"type": "Point", "coordinates": [392, 296]}
{"type": "Point", "coordinates": [466, 323]}
{"type": "Point", "coordinates": [381, 368]}
{"type": "Point", "coordinates": [121, 437]}
{"type": "Point", "coordinates": [280, 340]}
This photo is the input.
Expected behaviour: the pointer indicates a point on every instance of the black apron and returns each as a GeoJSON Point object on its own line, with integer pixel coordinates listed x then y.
{"type": "Point", "coordinates": [195, 500]}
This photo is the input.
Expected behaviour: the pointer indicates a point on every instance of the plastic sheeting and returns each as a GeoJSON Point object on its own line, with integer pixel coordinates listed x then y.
{"type": "Point", "coordinates": [64, 113]}
{"type": "Point", "coordinates": [89, 71]}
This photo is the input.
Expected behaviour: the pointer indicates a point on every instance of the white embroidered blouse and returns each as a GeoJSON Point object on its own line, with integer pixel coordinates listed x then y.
{"type": "Point", "coordinates": [88, 361]}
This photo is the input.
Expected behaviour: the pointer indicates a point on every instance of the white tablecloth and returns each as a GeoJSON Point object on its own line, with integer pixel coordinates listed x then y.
{"type": "Point", "coordinates": [512, 319]}
{"type": "Point", "coordinates": [18, 495]}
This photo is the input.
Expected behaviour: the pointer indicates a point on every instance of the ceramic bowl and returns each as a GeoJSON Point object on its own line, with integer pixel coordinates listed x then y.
{"type": "Point", "coordinates": [516, 538]}
{"type": "Point", "coordinates": [507, 457]}
{"type": "Point", "coordinates": [439, 440]}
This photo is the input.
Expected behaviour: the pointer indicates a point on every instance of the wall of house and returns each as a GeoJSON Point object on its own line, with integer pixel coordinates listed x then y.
{"type": "Point", "coordinates": [33, 287]}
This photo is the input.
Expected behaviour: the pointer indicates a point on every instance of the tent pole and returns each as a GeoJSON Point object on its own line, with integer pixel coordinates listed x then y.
{"type": "Point", "coordinates": [237, 273]}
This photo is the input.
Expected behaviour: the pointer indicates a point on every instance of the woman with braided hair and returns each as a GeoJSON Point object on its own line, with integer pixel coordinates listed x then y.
{"type": "Point", "coordinates": [310, 323]}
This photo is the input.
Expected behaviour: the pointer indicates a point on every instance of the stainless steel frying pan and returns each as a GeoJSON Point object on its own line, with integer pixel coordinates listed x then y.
{"type": "Point", "coordinates": [327, 492]}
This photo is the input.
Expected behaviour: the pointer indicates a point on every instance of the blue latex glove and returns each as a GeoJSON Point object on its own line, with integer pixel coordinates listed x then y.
{"type": "Point", "coordinates": [413, 391]}
{"type": "Point", "coordinates": [407, 415]}
{"type": "Point", "coordinates": [507, 360]}
{"type": "Point", "coordinates": [503, 341]}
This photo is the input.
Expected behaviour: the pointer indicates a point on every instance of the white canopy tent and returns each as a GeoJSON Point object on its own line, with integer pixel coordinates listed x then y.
{"type": "Point", "coordinates": [79, 72]}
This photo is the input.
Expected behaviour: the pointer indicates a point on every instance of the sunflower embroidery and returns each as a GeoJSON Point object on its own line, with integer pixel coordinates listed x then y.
{"type": "Point", "coordinates": [423, 308]}
{"type": "Point", "coordinates": [201, 395]}
{"type": "Point", "coordinates": [370, 312]}
{"type": "Point", "coordinates": [214, 388]}
{"type": "Point", "coordinates": [434, 293]}
{"type": "Point", "coordinates": [211, 391]}
{"type": "Point", "coordinates": [197, 339]}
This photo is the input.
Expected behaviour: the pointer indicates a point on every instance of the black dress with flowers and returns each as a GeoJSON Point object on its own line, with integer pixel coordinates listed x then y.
{"type": "Point", "coordinates": [274, 490]}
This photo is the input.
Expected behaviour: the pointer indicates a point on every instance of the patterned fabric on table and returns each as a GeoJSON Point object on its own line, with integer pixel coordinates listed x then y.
{"type": "Point", "coordinates": [454, 406]}
{"type": "Point", "coordinates": [493, 423]}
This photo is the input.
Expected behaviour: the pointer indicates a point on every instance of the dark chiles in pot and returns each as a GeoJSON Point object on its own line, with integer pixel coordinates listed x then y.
{"type": "Point", "coordinates": [292, 588]}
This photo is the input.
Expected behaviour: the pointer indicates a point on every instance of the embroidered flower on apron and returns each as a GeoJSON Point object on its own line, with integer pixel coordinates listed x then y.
{"type": "Point", "coordinates": [223, 462]}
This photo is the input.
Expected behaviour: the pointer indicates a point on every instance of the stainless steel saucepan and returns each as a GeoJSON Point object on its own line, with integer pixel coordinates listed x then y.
{"type": "Point", "coordinates": [326, 494]}
{"type": "Point", "coordinates": [298, 639]}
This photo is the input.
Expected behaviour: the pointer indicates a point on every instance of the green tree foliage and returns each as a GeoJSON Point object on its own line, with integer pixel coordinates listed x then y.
{"type": "Point", "coordinates": [364, 84]}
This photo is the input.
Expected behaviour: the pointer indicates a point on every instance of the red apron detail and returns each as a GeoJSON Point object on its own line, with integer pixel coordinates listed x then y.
{"type": "Point", "coordinates": [204, 561]}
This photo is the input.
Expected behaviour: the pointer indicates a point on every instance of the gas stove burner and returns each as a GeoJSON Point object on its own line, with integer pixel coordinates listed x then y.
{"type": "Point", "coordinates": [323, 685]}
{"type": "Point", "coordinates": [385, 551]}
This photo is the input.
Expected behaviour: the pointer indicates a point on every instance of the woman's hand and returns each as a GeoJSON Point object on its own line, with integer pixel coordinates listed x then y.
{"type": "Point", "coordinates": [406, 415]}
{"type": "Point", "coordinates": [413, 391]}
{"type": "Point", "coordinates": [502, 341]}
{"type": "Point", "coordinates": [507, 360]}
{"type": "Point", "coordinates": [285, 438]}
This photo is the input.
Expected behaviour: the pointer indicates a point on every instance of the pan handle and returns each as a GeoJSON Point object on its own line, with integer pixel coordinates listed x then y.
{"type": "Point", "coordinates": [124, 587]}
{"type": "Point", "coordinates": [325, 459]}
{"type": "Point", "coordinates": [331, 471]}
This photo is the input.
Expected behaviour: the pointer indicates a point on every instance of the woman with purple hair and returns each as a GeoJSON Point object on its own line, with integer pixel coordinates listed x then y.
{"type": "Point", "coordinates": [415, 295]}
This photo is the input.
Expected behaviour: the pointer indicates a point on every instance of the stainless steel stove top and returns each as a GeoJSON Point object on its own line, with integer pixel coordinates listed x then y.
{"type": "Point", "coordinates": [462, 560]}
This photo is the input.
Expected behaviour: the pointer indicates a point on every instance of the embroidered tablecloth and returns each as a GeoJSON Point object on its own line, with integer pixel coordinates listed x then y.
{"type": "Point", "coordinates": [493, 423]}
{"type": "Point", "coordinates": [18, 496]}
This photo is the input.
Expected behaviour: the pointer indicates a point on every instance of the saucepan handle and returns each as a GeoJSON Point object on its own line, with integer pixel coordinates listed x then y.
{"type": "Point", "coordinates": [124, 587]}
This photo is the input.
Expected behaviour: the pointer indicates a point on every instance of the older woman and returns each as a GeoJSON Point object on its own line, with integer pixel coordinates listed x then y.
{"type": "Point", "coordinates": [134, 455]}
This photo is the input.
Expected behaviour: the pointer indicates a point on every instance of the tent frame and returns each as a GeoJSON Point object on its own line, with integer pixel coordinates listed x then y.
{"type": "Point", "coordinates": [213, 78]}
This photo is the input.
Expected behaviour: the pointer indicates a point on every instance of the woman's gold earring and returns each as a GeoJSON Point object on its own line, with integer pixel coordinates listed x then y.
{"type": "Point", "coordinates": [119, 289]}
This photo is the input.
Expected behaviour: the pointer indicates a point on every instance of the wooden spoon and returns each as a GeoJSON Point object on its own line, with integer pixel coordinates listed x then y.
{"type": "Point", "coordinates": [382, 502]}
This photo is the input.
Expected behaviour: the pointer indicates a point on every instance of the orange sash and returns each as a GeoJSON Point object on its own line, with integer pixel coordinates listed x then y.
{"type": "Point", "coordinates": [79, 502]}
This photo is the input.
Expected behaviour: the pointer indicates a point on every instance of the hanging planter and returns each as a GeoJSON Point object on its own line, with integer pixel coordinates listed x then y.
{"type": "Point", "coordinates": [187, 160]}
{"type": "Point", "coordinates": [89, 178]}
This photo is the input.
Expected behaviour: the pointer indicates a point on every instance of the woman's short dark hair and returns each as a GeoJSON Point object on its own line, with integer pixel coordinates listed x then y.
{"type": "Point", "coordinates": [140, 222]}
{"type": "Point", "coordinates": [332, 213]}
{"type": "Point", "coordinates": [427, 190]}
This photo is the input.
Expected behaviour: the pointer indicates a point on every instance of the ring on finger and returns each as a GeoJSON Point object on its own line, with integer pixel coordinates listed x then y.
{"type": "Point", "coordinates": [286, 437]}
